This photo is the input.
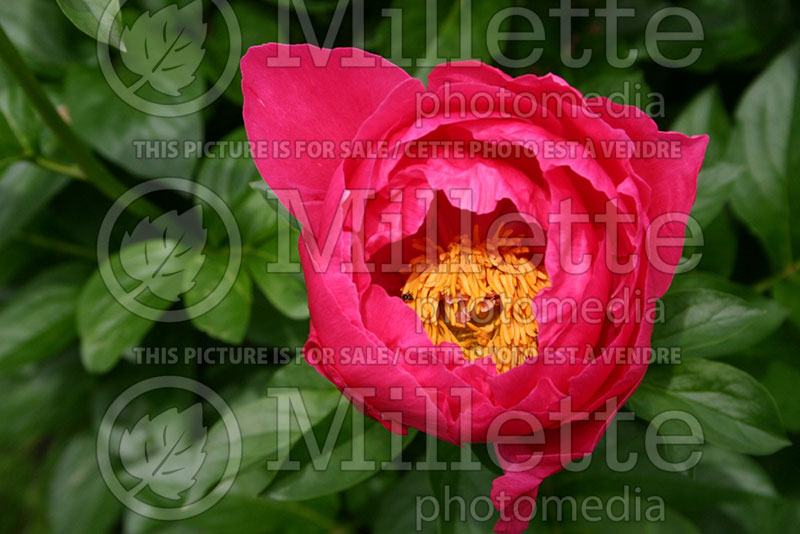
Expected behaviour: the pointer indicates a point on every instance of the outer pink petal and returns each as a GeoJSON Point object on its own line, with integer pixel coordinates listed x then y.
{"type": "Point", "coordinates": [315, 94]}
{"type": "Point", "coordinates": [673, 182]}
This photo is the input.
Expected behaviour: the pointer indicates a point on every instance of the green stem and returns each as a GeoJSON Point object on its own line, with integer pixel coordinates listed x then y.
{"type": "Point", "coordinates": [92, 169]}
{"type": "Point", "coordinates": [71, 170]}
{"type": "Point", "coordinates": [767, 283]}
{"type": "Point", "coordinates": [55, 245]}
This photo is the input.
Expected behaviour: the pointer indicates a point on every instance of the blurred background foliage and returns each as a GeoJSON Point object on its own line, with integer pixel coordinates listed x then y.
{"type": "Point", "coordinates": [66, 344]}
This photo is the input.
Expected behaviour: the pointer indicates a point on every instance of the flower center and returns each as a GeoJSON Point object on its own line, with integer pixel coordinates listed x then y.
{"type": "Point", "coordinates": [479, 296]}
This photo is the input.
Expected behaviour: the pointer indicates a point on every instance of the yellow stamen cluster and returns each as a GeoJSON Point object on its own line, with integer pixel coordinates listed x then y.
{"type": "Point", "coordinates": [479, 296]}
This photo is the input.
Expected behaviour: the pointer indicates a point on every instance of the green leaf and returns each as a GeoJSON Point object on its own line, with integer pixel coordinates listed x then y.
{"type": "Point", "coordinates": [44, 37]}
{"type": "Point", "coordinates": [87, 14]}
{"type": "Point", "coordinates": [261, 187]}
{"type": "Point", "coordinates": [781, 379]}
{"type": "Point", "coordinates": [42, 399]}
{"type": "Point", "coordinates": [601, 513]}
{"type": "Point", "coordinates": [165, 48]}
{"type": "Point", "coordinates": [260, 423]}
{"type": "Point", "coordinates": [229, 319]}
{"type": "Point", "coordinates": [263, 420]}
{"type": "Point", "coordinates": [229, 168]}
{"type": "Point", "coordinates": [714, 187]}
{"type": "Point", "coordinates": [312, 481]}
{"type": "Point", "coordinates": [735, 411]}
{"type": "Point", "coordinates": [142, 144]}
{"type": "Point", "coordinates": [734, 473]}
{"type": "Point", "coordinates": [764, 140]}
{"type": "Point", "coordinates": [405, 495]}
{"type": "Point", "coordinates": [10, 149]}
{"type": "Point", "coordinates": [486, 455]}
{"type": "Point", "coordinates": [774, 363]}
{"type": "Point", "coordinates": [704, 280]}
{"type": "Point", "coordinates": [244, 513]}
{"type": "Point", "coordinates": [467, 484]}
{"type": "Point", "coordinates": [299, 373]}
{"type": "Point", "coordinates": [709, 323]}
{"type": "Point", "coordinates": [256, 217]}
{"type": "Point", "coordinates": [39, 321]}
{"type": "Point", "coordinates": [360, 500]}
{"type": "Point", "coordinates": [760, 517]}
{"type": "Point", "coordinates": [270, 328]}
{"type": "Point", "coordinates": [706, 114]}
{"type": "Point", "coordinates": [105, 326]}
{"type": "Point", "coordinates": [285, 291]}
{"type": "Point", "coordinates": [79, 500]}
{"type": "Point", "coordinates": [787, 293]}
{"type": "Point", "coordinates": [721, 476]}
{"type": "Point", "coordinates": [25, 190]}
{"type": "Point", "coordinates": [20, 127]}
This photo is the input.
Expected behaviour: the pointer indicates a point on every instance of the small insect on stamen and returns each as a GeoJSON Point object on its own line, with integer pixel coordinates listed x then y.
{"type": "Point", "coordinates": [477, 304]}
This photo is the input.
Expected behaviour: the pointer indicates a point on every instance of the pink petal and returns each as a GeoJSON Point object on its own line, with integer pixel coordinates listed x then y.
{"type": "Point", "coordinates": [326, 96]}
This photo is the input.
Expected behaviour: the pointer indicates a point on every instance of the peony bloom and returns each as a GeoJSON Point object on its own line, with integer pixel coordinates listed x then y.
{"type": "Point", "coordinates": [483, 255]}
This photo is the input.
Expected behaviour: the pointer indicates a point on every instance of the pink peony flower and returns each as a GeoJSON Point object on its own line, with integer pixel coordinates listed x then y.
{"type": "Point", "coordinates": [483, 256]}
